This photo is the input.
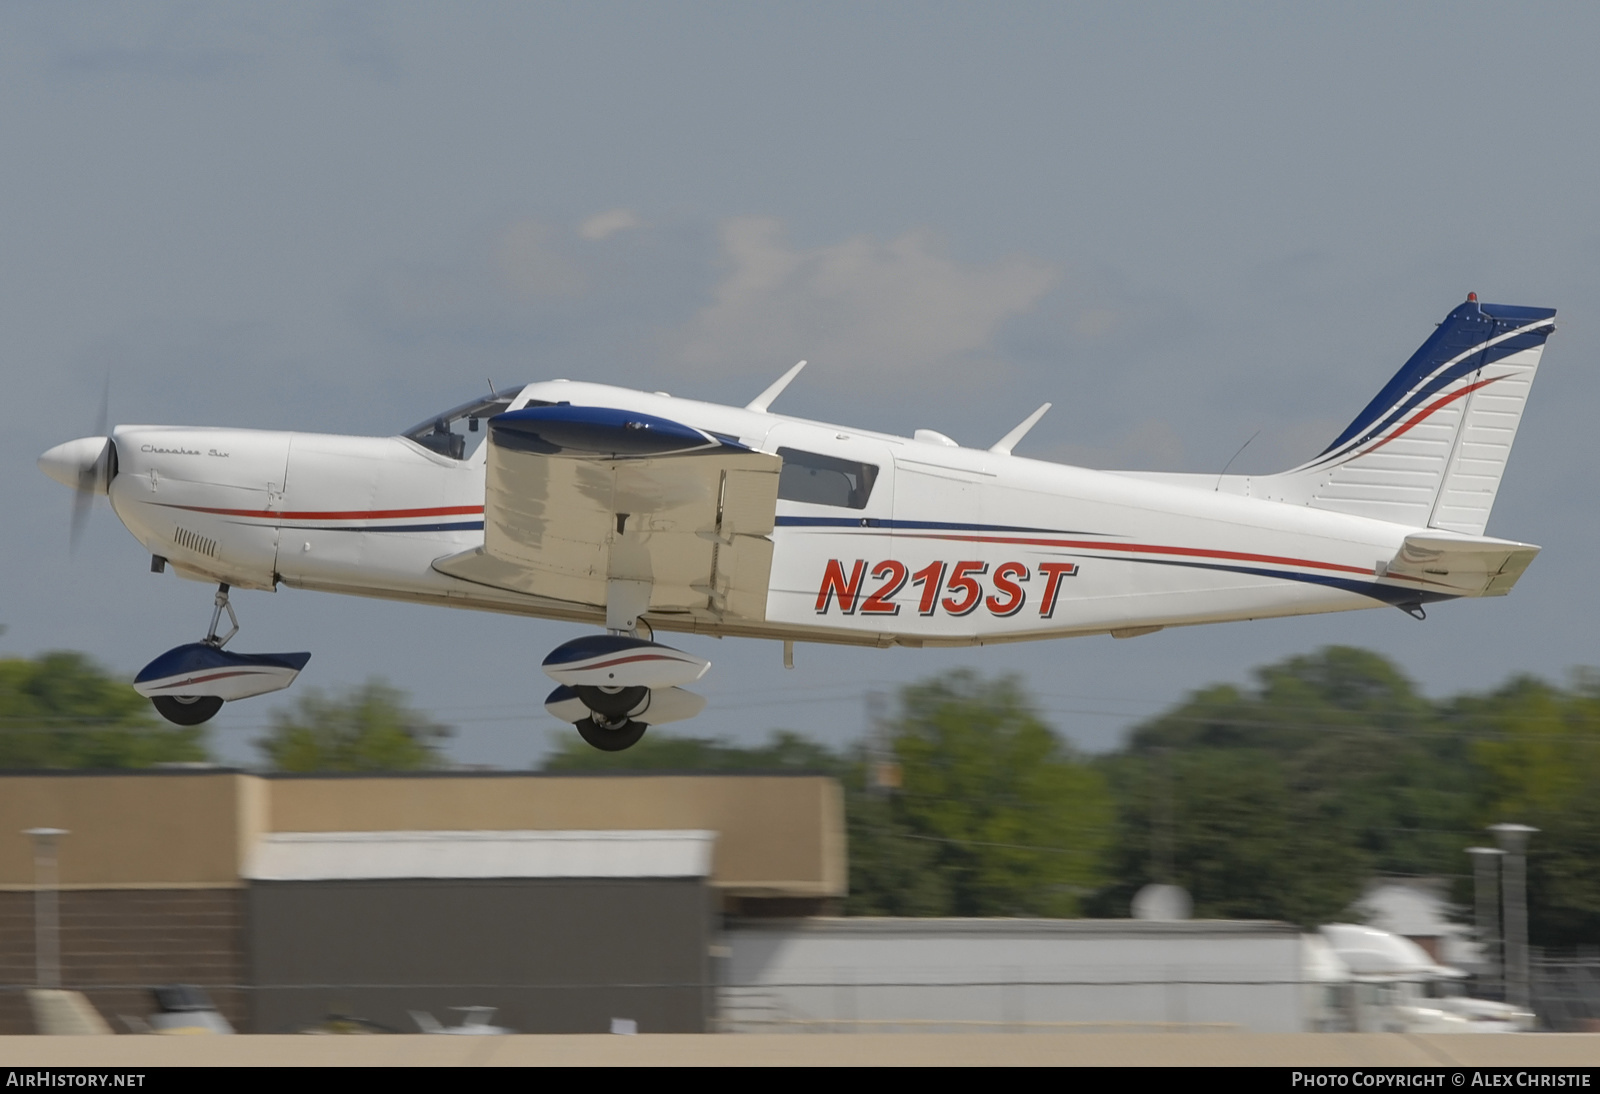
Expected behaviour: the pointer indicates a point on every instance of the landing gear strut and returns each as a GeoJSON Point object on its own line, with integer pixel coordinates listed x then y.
{"type": "Point", "coordinates": [220, 605]}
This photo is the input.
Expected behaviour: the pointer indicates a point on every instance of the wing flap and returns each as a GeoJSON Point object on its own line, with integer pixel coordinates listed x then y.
{"type": "Point", "coordinates": [562, 524]}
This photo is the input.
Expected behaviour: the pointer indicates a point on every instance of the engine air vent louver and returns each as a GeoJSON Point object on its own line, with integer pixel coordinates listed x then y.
{"type": "Point", "coordinates": [195, 542]}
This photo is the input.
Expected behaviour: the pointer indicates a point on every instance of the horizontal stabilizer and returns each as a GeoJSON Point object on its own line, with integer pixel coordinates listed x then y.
{"type": "Point", "coordinates": [1461, 565]}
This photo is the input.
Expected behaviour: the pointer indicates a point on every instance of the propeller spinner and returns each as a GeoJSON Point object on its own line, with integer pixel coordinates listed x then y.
{"type": "Point", "coordinates": [87, 464]}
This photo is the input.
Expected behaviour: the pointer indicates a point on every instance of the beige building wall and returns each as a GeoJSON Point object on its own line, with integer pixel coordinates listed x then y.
{"type": "Point", "coordinates": [777, 836]}
{"type": "Point", "coordinates": [170, 830]}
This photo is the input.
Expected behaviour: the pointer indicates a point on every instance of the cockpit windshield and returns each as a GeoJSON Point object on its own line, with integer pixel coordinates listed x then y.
{"type": "Point", "coordinates": [457, 432]}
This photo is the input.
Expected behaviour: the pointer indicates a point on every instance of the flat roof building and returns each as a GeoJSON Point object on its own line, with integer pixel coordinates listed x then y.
{"type": "Point", "coordinates": [561, 900]}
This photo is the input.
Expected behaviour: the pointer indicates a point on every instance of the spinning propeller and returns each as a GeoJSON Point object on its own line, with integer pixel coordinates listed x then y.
{"type": "Point", "coordinates": [87, 464]}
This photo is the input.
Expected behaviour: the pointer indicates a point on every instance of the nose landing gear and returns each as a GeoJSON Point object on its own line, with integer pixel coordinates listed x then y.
{"type": "Point", "coordinates": [187, 710]}
{"type": "Point", "coordinates": [188, 684]}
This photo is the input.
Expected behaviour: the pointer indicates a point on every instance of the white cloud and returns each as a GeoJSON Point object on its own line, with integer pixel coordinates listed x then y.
{"type": "Point", "coordinates": [609, 223]}
{"type": "Point", "coordinates": [883, 310]}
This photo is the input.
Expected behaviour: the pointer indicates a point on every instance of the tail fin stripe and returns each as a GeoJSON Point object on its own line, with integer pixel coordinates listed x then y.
{"type": "Point", "coordinates": [1427, 411]}
{"type": "Point", "coordinates": [1488, 352]}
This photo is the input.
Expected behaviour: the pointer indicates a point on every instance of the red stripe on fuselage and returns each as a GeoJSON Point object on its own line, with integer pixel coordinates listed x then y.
{"type": "Point", "coordinates": [1153, 549]}
{"type": "Point", "coordinates": [351, 514]}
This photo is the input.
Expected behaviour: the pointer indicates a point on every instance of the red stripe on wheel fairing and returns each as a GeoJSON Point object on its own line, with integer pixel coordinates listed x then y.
{"type": "Point", "coordinates": [207, 679]}
{"type": "Point", "coordinates": [580, 666]}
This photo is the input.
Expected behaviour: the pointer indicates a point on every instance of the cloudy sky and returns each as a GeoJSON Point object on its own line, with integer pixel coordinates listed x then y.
{"type": "Point", "coordinates": [1182, 224]}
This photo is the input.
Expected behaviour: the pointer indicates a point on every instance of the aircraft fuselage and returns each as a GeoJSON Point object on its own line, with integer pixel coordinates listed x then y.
{"type": "Point", "coordinates": [934, 545]}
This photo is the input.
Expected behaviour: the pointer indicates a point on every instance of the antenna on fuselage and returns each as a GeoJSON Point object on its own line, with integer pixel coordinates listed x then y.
{"type": "Point", "coordinates": [760, 403]}
{"type": "Point", "coordinates": [493, 394]}
{"type": "Point", "coordinates": [1005, 444]}
{"type": "Point", "coordinates": [1235, 456]}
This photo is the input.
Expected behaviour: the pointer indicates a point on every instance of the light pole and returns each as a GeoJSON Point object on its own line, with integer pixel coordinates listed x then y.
{"type": "Point", "coordinates": [1514, 842]}
{"type": "Point", "coordinates": [46, 908]}
{"type": "Point", "coordinates": [1485, 877]}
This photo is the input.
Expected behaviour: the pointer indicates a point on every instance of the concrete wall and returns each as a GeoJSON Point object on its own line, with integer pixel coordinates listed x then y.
{"type": "Point", "coordinates": [552, 955]}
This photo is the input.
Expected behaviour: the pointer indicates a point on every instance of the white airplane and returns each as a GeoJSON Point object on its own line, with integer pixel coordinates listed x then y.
{"type": "Point", "coordinates": [639, 513]}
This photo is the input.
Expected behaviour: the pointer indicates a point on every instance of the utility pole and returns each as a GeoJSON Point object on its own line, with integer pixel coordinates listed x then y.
{"type": "Point", "coordinates": [1514, 842]}
{"type": "Point", "coordinates": [883, 772]}
{"type": "Point", "coordinates": [1486, 890]}
{"type": "Point", "coordinates": [46, 906]}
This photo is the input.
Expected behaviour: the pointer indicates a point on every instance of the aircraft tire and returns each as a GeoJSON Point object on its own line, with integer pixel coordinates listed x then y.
{"type": "Point", "coordinates": [611, 740]}
{"type": "Point", "coordinates": [612, 703]}
{"type": "Point", "coordinates": [187, 710]}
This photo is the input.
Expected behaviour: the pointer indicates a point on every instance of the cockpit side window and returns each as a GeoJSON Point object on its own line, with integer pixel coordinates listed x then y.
{"type": "Point", "coordinates": [825, 480]}
{"type": "Point", "coordinates": [457, 432]}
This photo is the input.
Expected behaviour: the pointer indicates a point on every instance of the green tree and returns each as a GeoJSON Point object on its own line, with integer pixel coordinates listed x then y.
{"type": "Point", "coordinates": [993, 814]}
{"type": "Point", "coordinates": [61, 710]}
{"type": "Point", "coordinates": [890, 873]}
{"type": "Point", "coordinates": [1229, 827]}
{"type": "Point", "coordinates": [893, 870]}
{"type": "Point", "coordinates": [784, 751]}
{"type": "Point", "coordinates": [1283, 800]}
{"type": "Point", "coordinates": [1539, 750]}
{"type": "Point", "coordinates": [1015, 821]}
{"type": "Point", "coordinates": [368, 729]}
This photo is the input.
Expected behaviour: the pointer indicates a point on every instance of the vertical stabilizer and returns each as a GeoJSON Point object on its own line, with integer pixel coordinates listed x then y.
{"type": "Point", "coordinates": [1430, 449]}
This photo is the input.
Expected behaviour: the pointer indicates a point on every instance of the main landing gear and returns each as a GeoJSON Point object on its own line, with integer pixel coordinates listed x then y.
{"type": "Point", "coordinates": [616, 686]}
{"type": "Point", "coordinates": [188, 684]}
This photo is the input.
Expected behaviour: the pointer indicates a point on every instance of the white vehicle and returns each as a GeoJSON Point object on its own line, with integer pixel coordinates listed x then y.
{"type": "Point", "coordinates": [475, 1022]}
{"type": "Point", "coordinates": [640, 513]}
{"type": "Point", "coordinates": [1393, 986]}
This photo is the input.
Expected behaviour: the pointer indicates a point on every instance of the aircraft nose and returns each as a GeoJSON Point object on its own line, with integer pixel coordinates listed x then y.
{"type": "Point", "coordinates": [73, 464]}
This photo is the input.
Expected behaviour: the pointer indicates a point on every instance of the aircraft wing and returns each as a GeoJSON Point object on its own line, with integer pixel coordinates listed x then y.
{"type": "Point", "coordinates": [1461, 565]}
{"type": "Point", "coordinates": [578, 497]}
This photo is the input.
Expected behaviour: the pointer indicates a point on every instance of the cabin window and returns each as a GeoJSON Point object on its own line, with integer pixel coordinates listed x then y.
{"type": "Point", "coordinates": [457, 432]}
{"type": "Point", "coordinates": [825, 480]}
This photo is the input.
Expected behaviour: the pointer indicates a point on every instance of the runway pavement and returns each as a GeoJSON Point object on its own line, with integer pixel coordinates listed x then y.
{"type": "Point", "coordinates": [800, 1050]}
